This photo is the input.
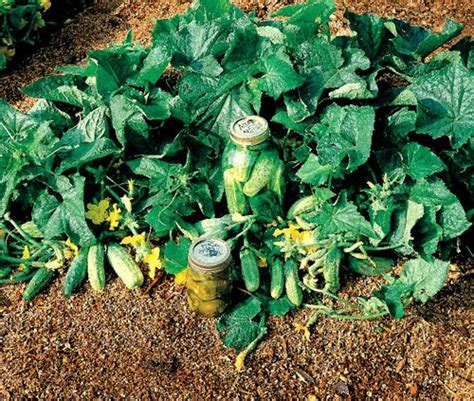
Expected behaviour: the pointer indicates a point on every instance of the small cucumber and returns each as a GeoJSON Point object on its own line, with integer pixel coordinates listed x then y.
{"type": "Point", "coordinates": [95, 267]}
{"type": "Point", "coordinates": [331, 267]}
{"type": "Point", "coordinates": [277, 279]}
{"type": "Point", "coordinates": [277, 183]}
{"type": "Point", "coordinates": [236, 201]}
{"type": "Point", "coordinates": [262, 172]}
{"type": "Point", "coordinates": [250, 272]}
{"type": "Point", "coordinates": [310, 203]}
{"type": "Point", "coordinates": [124, 265]}
{"type": "Point", "coordinates": [40, 281]}
{"type": "Point", "coordinates": [76, 273]}
{"type": "Point", "coordinates": [292, 287]}
{"type": "Point", "coordinates": [242, 162]}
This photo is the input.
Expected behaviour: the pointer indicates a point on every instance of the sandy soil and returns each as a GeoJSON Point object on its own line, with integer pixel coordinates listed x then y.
{"type": "Point", "coordinates": [123, 344]}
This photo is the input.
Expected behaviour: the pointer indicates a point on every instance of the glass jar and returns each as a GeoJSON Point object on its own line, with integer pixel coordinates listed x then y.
{"type": "Point", "coordinates": [253, 171]}
{"type": "Point", "coordinates": [209, 278]}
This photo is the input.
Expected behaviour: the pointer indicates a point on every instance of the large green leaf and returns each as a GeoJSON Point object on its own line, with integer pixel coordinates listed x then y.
{"type": "Point", "coordinates": [445, 103]}
{"type": "Point", "coordinates": [345, 132]}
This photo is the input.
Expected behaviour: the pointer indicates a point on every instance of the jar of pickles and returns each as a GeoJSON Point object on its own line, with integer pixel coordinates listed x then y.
{"type": "Point", "coordinates": [253, 171]}
{"type": "Point", "coordinates": [209, 277]}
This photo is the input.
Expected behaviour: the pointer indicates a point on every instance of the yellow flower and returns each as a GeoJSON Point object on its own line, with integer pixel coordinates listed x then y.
{"type": "Point", "coordinates": [307, 236]}
{"type": "Point", "coordinates": [153, 261]}
{"type": "Point", "coordinates": [98, 213]}
{"type": "Point", "coordinates": [54, 264]}
{"type": "Point", "coordinates": [133, 240]}
{"type": "Point", "coordinates": [180, 278]}
{"type": "Point", "coordinates": [290, 233]}
{"type": "Point", "coordinates": [114, 217]}
{"type": "Point", "coordinates": [239, 362]}
{"type": "Point", "coordinates": [127, 202]}
{"type": "Point", "coordinates": [71, 251]}
{"type": "Point", "coordinates": [46, 4]}
{"type": "Point", "coordinates": [262, 262]}
{"type": "Point", "coordinates": [26, 255]}
{"type": "Point", "coordinates": [304, 329]}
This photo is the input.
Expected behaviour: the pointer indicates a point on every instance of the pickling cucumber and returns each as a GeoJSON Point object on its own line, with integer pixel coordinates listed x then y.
{"type": "Point", "coordinates": [39, 282]}
{"type": "Point", "coordinates": [124, 265]}
{"type": "Point", "coordinates": [76, 273]}
{"type": "Point", "coordinates": [292, 287]}
{"type": "Point", "coordinates": [331, 268]}
{"type": "Point", "coordinates": [236, 200]}
{"type": "Point", "coordinates": [277, 183]}
{"type": "Point", "coordinates": [262, 172]}
{"type": "Point", "coordinates": [242, 162]}
{"type": "Point", "coordinates": [277, 283]}
{"type": "Point", "coordinates": [95, 267]}
{"type": "Point", "coordinates": [250, 272]}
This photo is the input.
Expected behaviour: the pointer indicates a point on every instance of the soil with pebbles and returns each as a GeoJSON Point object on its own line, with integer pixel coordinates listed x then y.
{"type": "Point", "coordinates": [121, 344]}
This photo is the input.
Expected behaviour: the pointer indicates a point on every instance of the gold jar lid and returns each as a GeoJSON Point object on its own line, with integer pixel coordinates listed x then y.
{"type": "Point", "coordinates": [209, 255]}
{"type": "Point", "coordinates": [249, 130]}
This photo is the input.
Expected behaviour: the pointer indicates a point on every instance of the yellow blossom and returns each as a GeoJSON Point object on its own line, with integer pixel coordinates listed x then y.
{"type": "Point", "coordinates": [71, 250]}
{"type": "Point", "coordinates": [304, 329]}
{"type": "Point", "coordinates": [153, 261]}
{"type": "Point", "coordinates": [180, 278]}
{"type": "Point", "coordinates": [262, 262]}
{"type": "Point", "coordinates": [54, 264]}
{"type": "Point", "coordinates": [133, 240]}
{"type": "Point", "coordinates": [26, 255]}
{"type": "Point", "coordinates": [45, 4]}
{"type": "Point", "coordinates": [127, 202]}
{"type": "Point", "coordinates": [114, 217]}
{"type": "Point", "coordinates": [239, 361]}
{"type": "Point", "coordinates": [307, 236]}
{"type": "Point", "coordinates": [98, 213]}
{"type": "Point", "coordinates": [290, 233]}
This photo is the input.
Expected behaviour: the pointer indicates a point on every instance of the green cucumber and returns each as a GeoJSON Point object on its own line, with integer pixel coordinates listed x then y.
{"type": "Point", "coordinates": [277, 183]}
{"type": "Point", "coordinates": [76, 273]}
{"type": "Point", "coordinates": [236, 200]}
{"type": "Point", "coordinates": [39, 282]}
{"type": "Point", "coordinates": [331, 268]}
{"type": "Point", "coordinates": [242, 162]}
{"type": "Point", "coordinates": [250, 271]}
{"type": "Point", "coordinates": [277, 279]}
{"type": "Point", "coordinates": [292, 283]}
{"type": "Point", "coordinates": [124, 265]}
{"type": "Point", "coordinates": [262, 172]}
{"type": "Point", "coordinates": [310, 203]}
{"type": "Point", "coordinates": [95, 267]}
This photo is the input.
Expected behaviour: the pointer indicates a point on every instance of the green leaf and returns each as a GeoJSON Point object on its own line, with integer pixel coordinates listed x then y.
{"type": "Point", "coordinates": [445, 103]}
{"type": "Point", "coordinates": [419, 42]}
{"type": "Point", "coordinates": [432, 192]}
{"type": "Point", "coordinates": [312, 172]}
{"type": "Point", "coordinates": [396, 296]}
{"type": "Point", "coordinates": [404, 220]}
{"type": "Point", "coordinates": [370, 32]}
{"type": "Point", "coordinates": [343, 217]}
{"type": "Point", "coordinates": [453, 221]}
{"type": "Point", "coordinates": [62, 89]}
{"type": "Point", "coordinates": [238, 327]}
{"type": "Point", "coordinates": [427, 278]}
{"type": "Point", "coordinates": [176, 255]}
{"type": "Point", "coordinates": [44, 110]}
{"type": "Point", "coordinates": [420, 162]}
{"type": "Point", "coordinates": [154, 65]}
{"type": "Point", "coordinates": [400, 124]}
{"type": "Point", "coordinates": [68, 218]}
{"type": "Point", "coordinates": [279, 76]}
{"type": "Point", "coordinates": [310, 12]}
{"type": "Point", "coordinates": [345, 132]}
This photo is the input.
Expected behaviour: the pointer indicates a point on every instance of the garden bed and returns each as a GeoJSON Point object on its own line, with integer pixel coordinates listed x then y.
{"type": "Point", "coordinates": [121, 344]}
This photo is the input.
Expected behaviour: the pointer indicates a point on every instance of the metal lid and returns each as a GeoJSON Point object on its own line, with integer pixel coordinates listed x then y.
{"type": "Point", "coordinates": [209, 255]}
{"type": "Point", "coordinates": [250, 130]}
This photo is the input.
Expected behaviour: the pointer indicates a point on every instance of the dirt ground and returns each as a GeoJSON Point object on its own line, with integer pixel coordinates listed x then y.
{"type": "Point", "coordinates": [122, 344]}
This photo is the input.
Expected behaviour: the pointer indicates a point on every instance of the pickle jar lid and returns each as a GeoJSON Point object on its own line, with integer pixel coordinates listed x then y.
{"type": "Point", "coordinates": [250, 130]}
{"type": "Point", "coordinates": [209, 255]}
